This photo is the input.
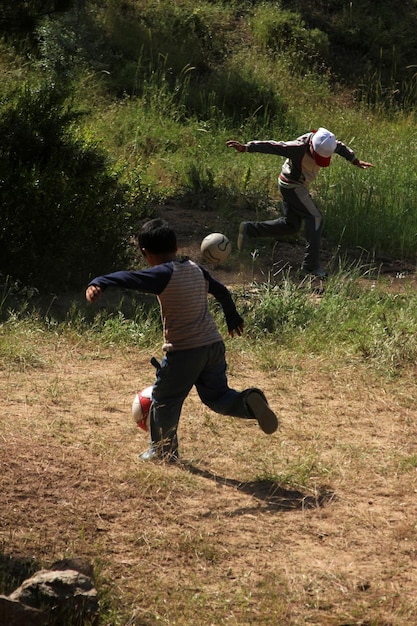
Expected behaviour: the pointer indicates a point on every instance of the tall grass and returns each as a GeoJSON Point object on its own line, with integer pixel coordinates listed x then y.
{"type": "Point", "coordinates": [163, 86]}
{"type": "Point", "coordinates": [373, 209]}
{"type": "Point", "coordinates": [183, 155]}
{"type": "Point", "coordinates": [354, 318]}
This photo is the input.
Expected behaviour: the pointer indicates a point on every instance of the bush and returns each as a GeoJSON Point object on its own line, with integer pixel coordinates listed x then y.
{"type": "Point", "coordinates": [64, 211]}
{"type": "Point", "coordinates": [281, 31]}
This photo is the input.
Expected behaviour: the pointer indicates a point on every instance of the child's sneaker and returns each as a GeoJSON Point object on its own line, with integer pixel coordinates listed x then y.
{"type": "Point", "coordinates": [258, 407]}
{"type": "Point", "coordinates": [148, 455]}
{"type": "Point", "coordinates": [153, 455]}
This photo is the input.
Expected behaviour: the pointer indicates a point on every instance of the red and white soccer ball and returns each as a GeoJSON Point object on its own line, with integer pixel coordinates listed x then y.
{"type": "Point", "coordinates": [140, 408]}
{"type": "Point", "coordinates": [215, 248]}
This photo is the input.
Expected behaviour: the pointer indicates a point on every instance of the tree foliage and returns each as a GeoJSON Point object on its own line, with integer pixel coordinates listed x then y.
{"type": "Point", "coordinates": [64, 213]}
{"type": "Point", "coordinates": [22, 16]}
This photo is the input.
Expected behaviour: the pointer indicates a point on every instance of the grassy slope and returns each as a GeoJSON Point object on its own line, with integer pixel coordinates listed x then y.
{"type": "Point", "coordinates": [166, 108]}
{"type": "Point", "coordinates": [316, 524]}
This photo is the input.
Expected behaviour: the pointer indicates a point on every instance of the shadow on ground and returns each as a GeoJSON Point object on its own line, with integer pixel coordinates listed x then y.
{"type": "Point", "coordinates": [272, 494]}
{"type": "Point", "coordinates": [14, 570]}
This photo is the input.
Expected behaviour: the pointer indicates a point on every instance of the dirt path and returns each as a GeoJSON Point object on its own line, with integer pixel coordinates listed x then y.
{"type": "Point", "coordinates": [332, 540]}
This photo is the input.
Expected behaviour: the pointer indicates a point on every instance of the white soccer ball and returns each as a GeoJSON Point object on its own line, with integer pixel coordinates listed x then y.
{"type": "Point", "coordinates": [216, 248]}
{"type": "Point", "coordinates": [140, 408]}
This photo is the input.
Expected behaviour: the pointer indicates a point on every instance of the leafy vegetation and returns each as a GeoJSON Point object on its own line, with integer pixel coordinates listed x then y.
{"type": "Point", "coordinates": [65, 211]}
{"type": "Point", "coordinates": [108, 108]}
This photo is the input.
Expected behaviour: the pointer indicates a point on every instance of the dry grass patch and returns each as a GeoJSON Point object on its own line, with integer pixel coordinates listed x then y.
{"type": "Point", "coordinates": [314, 525]}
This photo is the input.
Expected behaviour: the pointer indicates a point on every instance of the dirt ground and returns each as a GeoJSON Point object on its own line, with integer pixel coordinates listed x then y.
{"type": "Point", "coordinates": [315, 524]}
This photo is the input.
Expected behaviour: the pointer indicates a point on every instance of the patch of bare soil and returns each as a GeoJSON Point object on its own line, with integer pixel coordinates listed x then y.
{"type": "Point", "coordinates": [315, 524]}
{"type": "Point", "coordinates": [265, 260]}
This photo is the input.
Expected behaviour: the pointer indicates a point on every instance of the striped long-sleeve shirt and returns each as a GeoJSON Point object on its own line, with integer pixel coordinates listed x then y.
{"type": "Point", "coordinates": [181, 287]}
{"type": "Point", "coordinates": [300, 167]}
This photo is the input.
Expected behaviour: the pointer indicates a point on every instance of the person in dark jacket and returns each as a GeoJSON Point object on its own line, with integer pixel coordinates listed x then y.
{"type": "Point", "coordinates": [305, 156]}
{"type": "Point", "coordinates": [194, 349]}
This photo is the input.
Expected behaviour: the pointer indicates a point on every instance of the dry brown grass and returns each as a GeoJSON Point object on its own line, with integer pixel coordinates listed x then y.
{"type": "Point", "coordinates": [316, 524]}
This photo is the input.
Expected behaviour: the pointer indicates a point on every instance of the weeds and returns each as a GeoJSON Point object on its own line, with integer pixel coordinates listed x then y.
{"type": "Point", "coordinates": [352, 317]}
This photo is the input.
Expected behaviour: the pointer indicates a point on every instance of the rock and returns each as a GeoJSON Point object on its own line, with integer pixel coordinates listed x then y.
{"type": "Point", "coordinates": [65, 596]}
{"type": "Point", "coordinates": [77, 563]}
{"type": "Point", "coordinates": [13, 613]}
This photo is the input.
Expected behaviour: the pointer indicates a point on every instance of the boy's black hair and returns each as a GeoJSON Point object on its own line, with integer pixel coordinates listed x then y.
{"type": "Point", "coordinates": [157, 237]}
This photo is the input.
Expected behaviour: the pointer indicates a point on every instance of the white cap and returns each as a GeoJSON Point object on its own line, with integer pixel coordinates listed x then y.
{"type": "Point", "coordinates": [324, 144]}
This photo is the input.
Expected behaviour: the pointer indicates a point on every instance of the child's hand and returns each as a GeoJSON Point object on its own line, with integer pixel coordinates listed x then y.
{"type": "Point", "coordinates": [93, 293]}
{"type": "Point", "coordinates": [238, 330]}
{"type": "Point", "coordinates": [240, 147]}
{"type": "Point", "coordinates": [362, 164]}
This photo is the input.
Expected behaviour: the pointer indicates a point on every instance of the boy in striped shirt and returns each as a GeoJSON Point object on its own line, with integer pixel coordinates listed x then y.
{"type": "Point", "coordinates": [194, 349]}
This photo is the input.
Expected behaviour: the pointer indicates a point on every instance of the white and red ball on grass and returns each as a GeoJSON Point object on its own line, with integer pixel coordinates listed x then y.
{"type": "Point", "coordinates": [140, 408]}
{"type": "Point", "coordinates": [215, 248]}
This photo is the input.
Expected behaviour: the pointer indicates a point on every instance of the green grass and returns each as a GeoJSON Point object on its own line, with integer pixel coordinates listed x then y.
{"type": "Point", "coordinates": [356, 316]}
{"type": "Point", "coordinates": [187, 159]}
{"type": "Point", "coordinates": [163, 112]}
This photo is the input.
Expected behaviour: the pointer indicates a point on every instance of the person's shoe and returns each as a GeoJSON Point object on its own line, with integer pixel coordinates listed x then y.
{"type": "Point", "coordinates": [319, 272]}
{"type": "Point", "coordinates": [152, 455]}
{"type": "Point", "coordinates": [242, 236]}
{"type": "Point", "coordinates": [148, 455]}
{"type": "Point", "coordinates": [259, 408]}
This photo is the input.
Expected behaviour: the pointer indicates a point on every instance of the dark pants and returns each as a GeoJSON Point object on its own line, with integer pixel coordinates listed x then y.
{"type": "Point", "coordinates": [180, 370]}
{"type": "Point", "coordinates": [297, 205]}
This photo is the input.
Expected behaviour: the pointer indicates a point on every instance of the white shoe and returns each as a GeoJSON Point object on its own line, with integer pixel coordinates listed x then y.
{"type": "Point", "coordinates": [152, 455]}
{"type": "Point", "coordinates": [148, 455]}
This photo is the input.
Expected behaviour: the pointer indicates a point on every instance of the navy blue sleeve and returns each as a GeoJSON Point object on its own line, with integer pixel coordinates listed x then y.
{"type": "Point", "coordinates": [224, 297]}
{"type": "Point", "coordinates": [152, 280]}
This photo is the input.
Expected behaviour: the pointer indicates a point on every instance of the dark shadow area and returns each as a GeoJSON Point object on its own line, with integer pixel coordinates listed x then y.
{"type": "Point", "coordinates": [275, 496]}
{"type": "Point", "coordinates": [14, 570]}
{"type": "Point", "coordinates": [69, 307]}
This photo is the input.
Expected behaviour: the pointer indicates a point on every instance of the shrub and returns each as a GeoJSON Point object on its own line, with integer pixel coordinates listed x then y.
{"type": "Point", "coordinates": [64, 211]}
{"type": "Point", "coordinates": [280, 31]}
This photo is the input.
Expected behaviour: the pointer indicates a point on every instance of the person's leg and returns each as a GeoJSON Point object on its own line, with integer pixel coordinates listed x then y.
{"type": "Point", "coordinates": [288, 224]}
{"type": "Point", "coordinates": [175, 377]}
{"type": "Point", "coordinates": [213, 388]}
{"type": "Point", "coordinates": [214, 391]}
{"type": "Point", "coordinates": [297, 205]}
{"type": "Point", "coordinates": [302, 202]}
{"type": "Point", "coordinates": [171, 387]}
